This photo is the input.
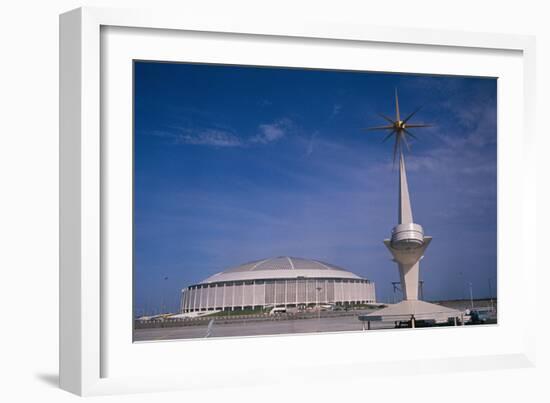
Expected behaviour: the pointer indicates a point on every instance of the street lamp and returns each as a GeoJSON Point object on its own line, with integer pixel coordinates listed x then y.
{"type": "Point", "coordinates": [163, 291]}
{"type": "Point", "coordinates": [471, 297]}
{"type": "Point", "coordinates": [491, 295]}
{"type": "Point", "coordinates": [318, 309]}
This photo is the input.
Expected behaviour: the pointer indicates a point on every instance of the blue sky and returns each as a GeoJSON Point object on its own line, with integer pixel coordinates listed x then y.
{"type": "Point", "coordinates": [235, 163]}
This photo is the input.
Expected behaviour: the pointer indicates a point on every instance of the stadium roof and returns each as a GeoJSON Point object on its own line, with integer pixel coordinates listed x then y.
{"type": "Point", "coordinates": [281, 267]}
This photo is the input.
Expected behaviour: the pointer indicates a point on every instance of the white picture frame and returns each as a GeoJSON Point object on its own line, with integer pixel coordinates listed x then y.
{"type": "Point", "coordinates": [89, 322]}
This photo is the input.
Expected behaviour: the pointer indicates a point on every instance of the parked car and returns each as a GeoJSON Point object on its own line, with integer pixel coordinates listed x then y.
{"type": "Point", "coordinates": [479, 316]}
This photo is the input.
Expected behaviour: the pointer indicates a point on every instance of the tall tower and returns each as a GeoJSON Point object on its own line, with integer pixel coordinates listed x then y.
{"type": "Point", "coordinates": [407, 243]}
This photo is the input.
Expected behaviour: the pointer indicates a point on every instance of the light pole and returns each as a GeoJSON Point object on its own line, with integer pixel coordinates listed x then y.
{"type": "Point", "coordinates": [163, 303]}
{"type": "Point", "coordinates": [471, 297]}
{"type": "Point", "coordinates": [462, 285]}
{"type": "Point", "coordinates": [491, 295]}
{"type": "Point", "coordinates": [395, 285]}
{"type": "Point", "coordinates": [318, 309]}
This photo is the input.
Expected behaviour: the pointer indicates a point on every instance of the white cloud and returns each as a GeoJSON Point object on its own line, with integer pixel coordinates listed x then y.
{"type": "Point", "coordinates": [206, 137]}
{"type": "Point", "coordinates": [336, 109]}
{"type": "Point", "coordinates": [215, 137]}
{"type": "Point", "coordinates": [310, 143]}
{"type": "Point", "coordinates": [265, 102]}
{"type": "Point", "coordinates": [270, 132]}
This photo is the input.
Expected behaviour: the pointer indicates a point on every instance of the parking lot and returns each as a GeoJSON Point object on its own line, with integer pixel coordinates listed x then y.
{"type": "Point", "coordinates": [327, 322]}
{"type": "Point", "coordinates": [255, 328]}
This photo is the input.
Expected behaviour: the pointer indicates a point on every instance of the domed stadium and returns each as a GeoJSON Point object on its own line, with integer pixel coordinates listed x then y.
{"type": "Point", "coordinates": [278, 282]}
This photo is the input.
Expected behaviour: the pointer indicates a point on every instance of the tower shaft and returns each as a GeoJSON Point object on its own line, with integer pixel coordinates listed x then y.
{"type": "Point", "coordinates": [407, 243]}
{"type": "Point", "coordinates": [409, 276]}
{"type": "Point", "coordinates": [404, 204]}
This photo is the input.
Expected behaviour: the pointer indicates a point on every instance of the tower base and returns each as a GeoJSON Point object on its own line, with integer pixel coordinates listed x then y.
{"type": "Point", "coordinates": [415, 309]}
